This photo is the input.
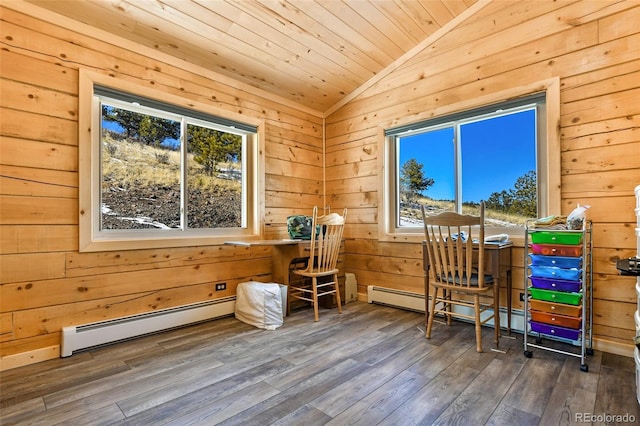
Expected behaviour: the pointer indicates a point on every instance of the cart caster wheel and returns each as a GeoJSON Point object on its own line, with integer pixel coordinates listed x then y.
{"type": "Point", "coordinates": [528, 354]}
{"type": "Point", "coordinates": [589, 351]}
{"type": "Point", "coordinates": [584, 367]}
{"type": "Point", "coordinates": [538, 340]}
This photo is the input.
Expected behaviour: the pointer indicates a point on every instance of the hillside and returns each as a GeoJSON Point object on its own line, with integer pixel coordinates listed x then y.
{"type": "Point", "coordinates": [141, 190]}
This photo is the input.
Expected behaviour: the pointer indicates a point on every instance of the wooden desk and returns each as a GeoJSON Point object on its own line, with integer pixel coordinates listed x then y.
{"type": "Point", "coordinates": [497, 263]}
{"type": "Point", "coordinates": [284, 252]}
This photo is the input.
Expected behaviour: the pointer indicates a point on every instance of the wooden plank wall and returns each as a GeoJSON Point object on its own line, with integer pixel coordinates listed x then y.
{"type": "Point", "coordinates": [594, 48]}
{"type": "Point", "coordinates": [46, 283]}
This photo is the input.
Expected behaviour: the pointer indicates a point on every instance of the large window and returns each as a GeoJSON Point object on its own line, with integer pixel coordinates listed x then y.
{"type": "Point", "coordinates": [498, 153]}
{"type": "Point", "coordinates": [164, 175]}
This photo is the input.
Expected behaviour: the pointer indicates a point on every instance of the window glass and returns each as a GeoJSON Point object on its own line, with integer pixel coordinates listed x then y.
{"type": "Point", "coordinates": [140, 170]}
{"type": "Point", "coordinates": [214, 178]}
{"type": "Point", "coordinates": [150, 180]}
{"type": "Point", "coordinates": [427, 173]}
{"type": "Point", "coordinates": [455, 165]}
{"type": "Point", "coordinates": [498, 157]}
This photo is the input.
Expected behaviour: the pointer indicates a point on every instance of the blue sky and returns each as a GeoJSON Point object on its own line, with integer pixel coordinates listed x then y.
{"type": "Point", "coordinates": [496, 152]}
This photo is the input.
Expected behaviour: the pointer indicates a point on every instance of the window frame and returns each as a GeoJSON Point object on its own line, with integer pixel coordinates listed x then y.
{"type": "Point", "coordinates": [548, 158]}
{"type": "Point", "coordinates": [91, 238]}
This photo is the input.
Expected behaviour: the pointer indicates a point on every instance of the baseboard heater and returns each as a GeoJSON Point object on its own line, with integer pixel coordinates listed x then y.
{"type": "Point", "coordinates": [94, 334]}
{"type": "Point", "coordinates": [395, 298]}
{"type": "Point", "coordinates": [415, 302]}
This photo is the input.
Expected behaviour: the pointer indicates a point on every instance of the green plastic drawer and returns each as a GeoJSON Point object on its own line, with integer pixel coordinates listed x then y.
{"type": "Point", "coordinates": [553, 237]}
{"type": "Point", "coordinates": [556, 296]}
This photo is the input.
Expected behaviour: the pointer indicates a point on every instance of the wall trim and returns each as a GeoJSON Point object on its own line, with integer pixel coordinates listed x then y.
{"type": "Point", "coordinates": [30, 357]}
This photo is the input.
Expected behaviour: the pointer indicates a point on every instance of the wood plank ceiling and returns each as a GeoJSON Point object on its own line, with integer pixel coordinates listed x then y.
{"type": "Point", "coordinates": [311, 52]}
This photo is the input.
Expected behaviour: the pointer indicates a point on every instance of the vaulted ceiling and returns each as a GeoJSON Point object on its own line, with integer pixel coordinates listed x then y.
{"type": "Point", "coordinates": [316, 53]}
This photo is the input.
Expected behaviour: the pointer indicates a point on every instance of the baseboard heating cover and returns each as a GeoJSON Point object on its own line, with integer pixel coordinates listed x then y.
{"type": "Point", "coordinates": [99, 333]}
{"type": "Point", "coordinates": [415, 302]}
{"type": "Point", "coordinates": [396, 298]}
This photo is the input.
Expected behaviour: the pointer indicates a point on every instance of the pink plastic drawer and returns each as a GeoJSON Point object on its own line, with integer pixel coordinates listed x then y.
{"type": "Point", "coordinates": [556, 250]}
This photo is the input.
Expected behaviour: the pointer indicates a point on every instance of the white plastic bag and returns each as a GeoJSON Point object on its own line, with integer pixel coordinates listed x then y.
{"type": "Point", "coordinates": [576, 218]}
{"type": "Point", "coordinates": [261, 304]}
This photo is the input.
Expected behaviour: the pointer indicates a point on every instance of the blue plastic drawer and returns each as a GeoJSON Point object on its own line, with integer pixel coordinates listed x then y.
{"type": "Point", "coordinates": [557, 261]}
{"type": "Point", "coordinates": [557, 285]}
{"type": "Point", "coordinates": [553, 330]}
{"type": "Point", "coordinates": [571, 274]}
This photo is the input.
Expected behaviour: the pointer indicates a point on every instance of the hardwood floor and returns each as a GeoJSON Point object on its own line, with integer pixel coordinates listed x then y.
{"type": "Point", "coordinates": [369, 366]}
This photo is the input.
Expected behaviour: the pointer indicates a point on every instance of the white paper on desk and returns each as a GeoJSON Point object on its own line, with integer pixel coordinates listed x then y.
{"type": "Point", "coordinates": [238, 243]}
{"type": "Point", "coordinates": [498, 238]}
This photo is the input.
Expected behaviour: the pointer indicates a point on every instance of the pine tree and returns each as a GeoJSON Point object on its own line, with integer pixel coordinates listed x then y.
{"type": "Point", "coordinates": [412, 180]}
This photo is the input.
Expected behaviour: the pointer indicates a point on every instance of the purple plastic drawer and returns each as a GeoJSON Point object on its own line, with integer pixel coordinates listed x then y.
{"type": "Point", "coordinates": [552, 272]}
{"type": "Point", "coordinates": [558, 285]}
{"type": "Point", "coordinates": [557, 261]}
{"type": "Point", "coordinates": [552, 330]}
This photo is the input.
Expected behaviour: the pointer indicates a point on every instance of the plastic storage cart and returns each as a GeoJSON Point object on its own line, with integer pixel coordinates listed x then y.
{"type": "Point", "coordinates": [558, 303]}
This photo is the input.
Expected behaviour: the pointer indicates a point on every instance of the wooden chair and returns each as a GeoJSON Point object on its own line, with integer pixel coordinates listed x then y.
{"type": "Point", "coordinates": [456, 264]}
{"type": "Point", "coordinates": [326, 238]}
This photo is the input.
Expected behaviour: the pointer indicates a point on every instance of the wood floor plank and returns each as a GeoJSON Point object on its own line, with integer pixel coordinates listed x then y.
{"type": "Point", "coordinates": [28, 387]}
{"type": "Point", "coordinates": [614, 388]}
{"type": "Point", "coordinates": [294, 397]}
{"type": "Point", "coordinates": [532, 389]}
{"type": "Point", "coordinates": [23, 409]}
{"type": "Point", "coordinates": [377, 405]}
{"type": "Point", "coordinates": [509, 415]}
{"type": "Point", "coordinates": [207, 382]}
{"type": "Point", "coordinates": [476, 402]}
{"type": "Point", "coordinates": [574, 392]}
{"type": "Point", "coordinates": [130, 383]}
{"type": "Point", "coordinates": [370, 365]}
{"type": "Point", "coordinates": [103, 417]}
{"type": "Point", "coordinates": [349, 393]}
{"type": "Point", "coordinates": [201, 407]}
{"type": "Point", "coordinates": [431, 400]}
{"type": "Point", "coordinates": [305, 415]}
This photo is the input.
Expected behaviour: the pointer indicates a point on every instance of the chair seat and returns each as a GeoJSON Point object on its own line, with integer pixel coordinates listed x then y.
{"type": "Point", "coordinates": [488, 280]}
{"type": "Point", "coordinates": [316, 274]}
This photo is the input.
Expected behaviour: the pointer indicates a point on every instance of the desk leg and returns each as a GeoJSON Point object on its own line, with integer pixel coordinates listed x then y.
{"type": "Point", "coordinates": [500, 266]}
{"type": "Point", "coordinates": [281, 258]}
{"type": "Point", "coordinates": [509, 293]}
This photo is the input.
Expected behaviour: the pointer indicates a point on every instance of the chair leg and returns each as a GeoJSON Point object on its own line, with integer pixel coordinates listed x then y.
{"type": "Point", "coordinates": [314, 286]}
{"type": "Point", "coordinates": [476, 303]}
{"type": "Point", "coordinates": [446, 294]}
{"type": "Point", "coordinates": [335, 280]}
{"type": "Point", "coordinates": [432, 312]}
